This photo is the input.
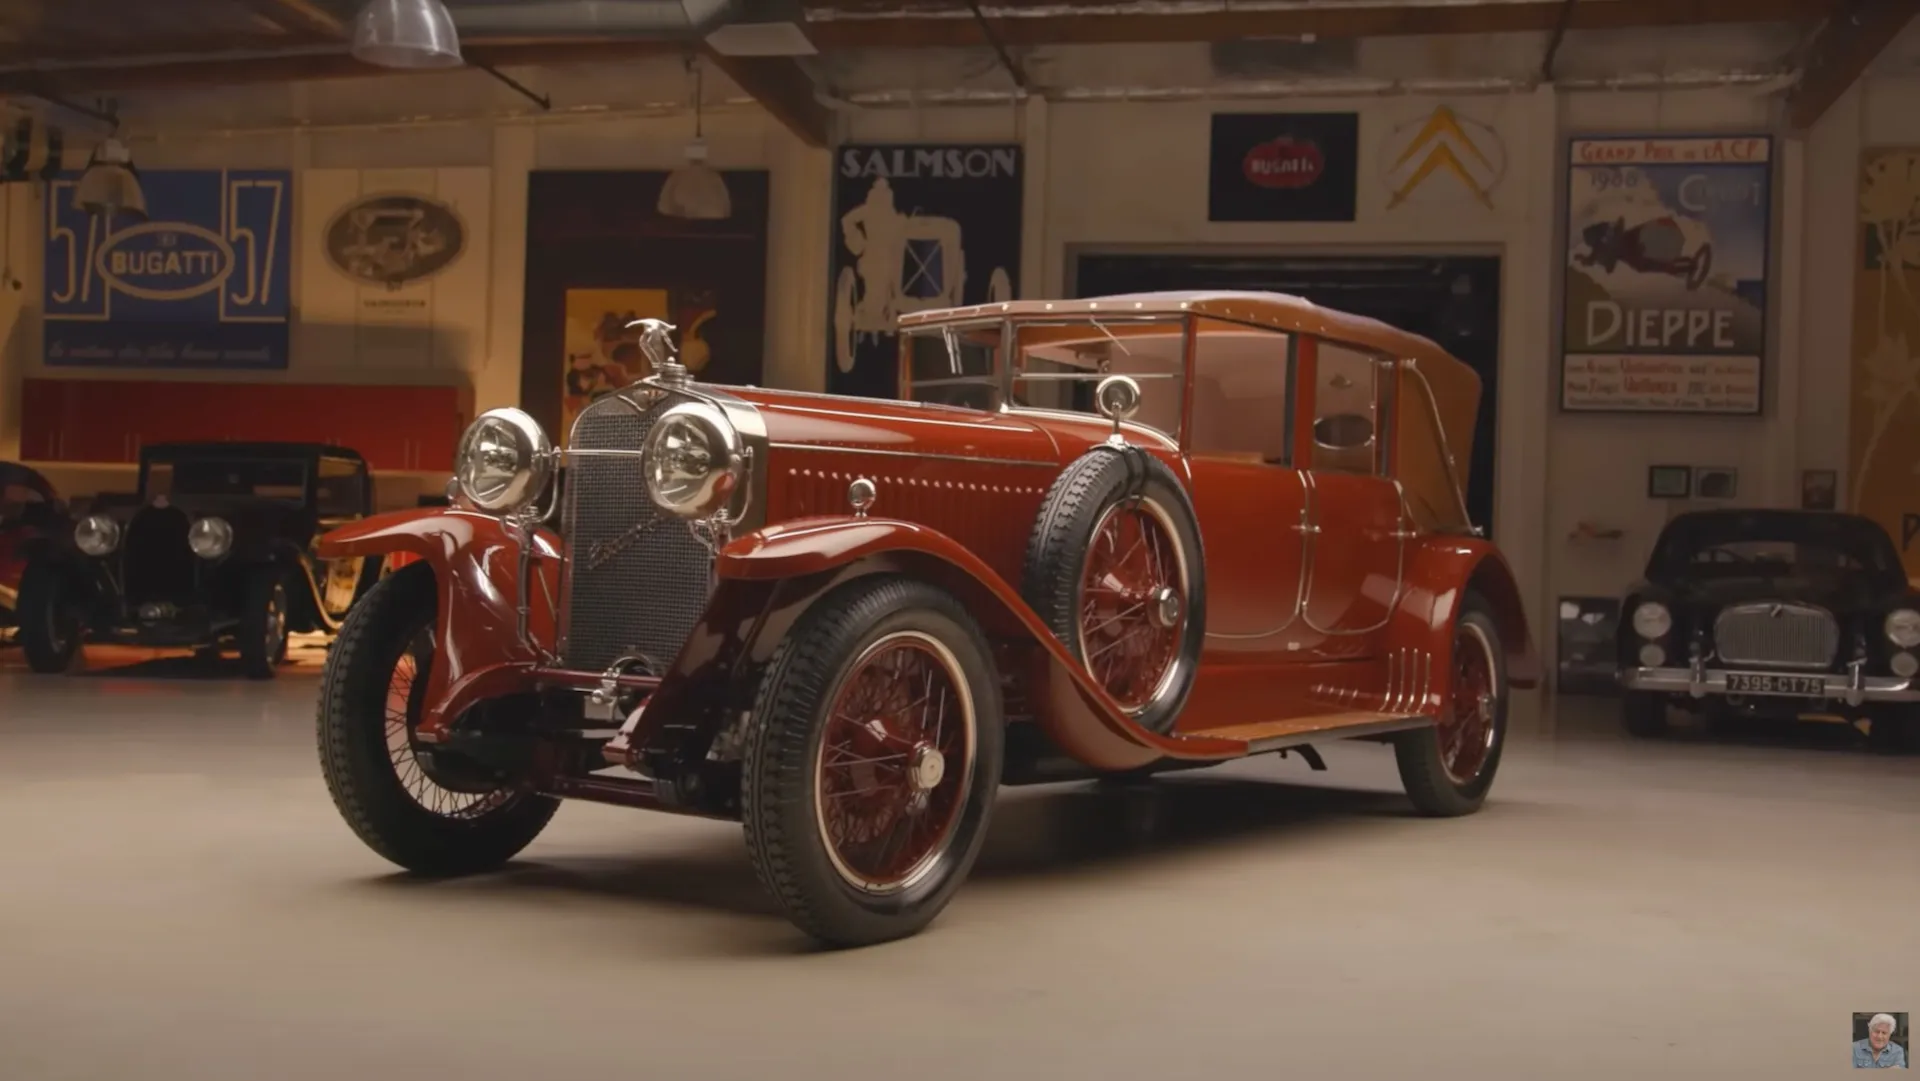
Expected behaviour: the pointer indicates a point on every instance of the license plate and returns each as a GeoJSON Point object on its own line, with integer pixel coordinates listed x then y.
{"type": "Point", "coordinates": [1764, 683]}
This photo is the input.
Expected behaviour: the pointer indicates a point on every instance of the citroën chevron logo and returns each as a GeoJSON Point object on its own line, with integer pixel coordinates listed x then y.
{"type": "Point", "coordinates": [1445, 155]}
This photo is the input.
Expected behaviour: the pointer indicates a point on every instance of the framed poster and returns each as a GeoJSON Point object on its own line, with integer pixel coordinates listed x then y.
{"type": "Point", "coordinates": [1283, 167]}
{"type": "Point", "coordinates": [202, 283]}
{"type": "Point", "coordinates": [1665, 304]}
{"type": "Point", "coordinates": [916, 227]}
{"type": "Point", "coordinates": [1883, 429]}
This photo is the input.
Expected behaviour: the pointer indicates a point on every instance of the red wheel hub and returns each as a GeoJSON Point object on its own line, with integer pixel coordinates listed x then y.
{"type": "Point", "coordinates": [1133, 605]}
{"type": "Point", "coordinates": [1468, 730]}
{"type": "Point", "coordinates": [895, 762]}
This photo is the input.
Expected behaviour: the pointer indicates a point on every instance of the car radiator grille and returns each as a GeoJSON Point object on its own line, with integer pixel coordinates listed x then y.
{"type": "Point", "coordinates": [156, 563]}
{"type": "Point", "coordinates": [637, 579]}
{"type": "Point", "coordinates": [1778, 635]}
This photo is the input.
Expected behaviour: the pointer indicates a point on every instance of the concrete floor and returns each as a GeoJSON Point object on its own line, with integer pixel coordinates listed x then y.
{"type": "Point", "coordinates": [179, 901]}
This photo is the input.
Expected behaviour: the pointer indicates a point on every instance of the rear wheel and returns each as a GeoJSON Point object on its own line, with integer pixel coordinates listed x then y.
{"type": "Point", "coordinates": [50, 624]}
{"type": "Point", "coordinates": [372, 695]}
{"type": "Point", "coordinates": [871, 766]}
{"type": "Point", "coordinates": [1643, 715]}
{"type": "Point", "coordinates": [1448, 768]}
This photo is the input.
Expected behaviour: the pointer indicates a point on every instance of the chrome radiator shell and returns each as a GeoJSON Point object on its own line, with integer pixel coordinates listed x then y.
{"type": "Point", "coordinates": [1776, 634]}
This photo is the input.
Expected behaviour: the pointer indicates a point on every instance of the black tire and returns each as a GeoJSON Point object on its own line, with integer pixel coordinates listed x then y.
{"type": "Point", "coordinates": [1058, 549]}
{"type": "Point", "coordinates": [1891, 732]}
{"type": "Point", "coordinates": [50, 627]}
{"type": "Point", "coordinates": [1421, 753]}
{"type": "Point", "coordinates": [263, 623]}
{"type": "Point", "coordinates": [784, 786]}
{"type": "Point", "coordinates": [1644, 715]}
{"type": "Point", "coordinates": [393, 621]}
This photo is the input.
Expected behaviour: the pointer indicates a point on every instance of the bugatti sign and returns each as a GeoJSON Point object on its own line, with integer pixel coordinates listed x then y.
{"type": "Point", "coordinates": [203, 284]}
{"type": "Point", "coordinates": [394, 239]}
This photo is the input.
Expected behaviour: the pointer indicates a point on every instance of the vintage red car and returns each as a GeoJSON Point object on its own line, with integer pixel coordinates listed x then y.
{"type": "Point", "coordinates": [1097, 538]}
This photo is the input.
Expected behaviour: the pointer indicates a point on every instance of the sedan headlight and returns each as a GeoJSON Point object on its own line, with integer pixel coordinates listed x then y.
{"type": "Point", "coordinates": [97, 535]}
{"type": "Point", "coordinates": [693, 460]}
{"type": "Point", "coordinates": [210, 537]}
{"type": "Point", "coordinates": [1903, 627]}
{"type": "Point", "coordinates": [1652, 620]}
{"type": "Point", "coordinates": [504, 462]}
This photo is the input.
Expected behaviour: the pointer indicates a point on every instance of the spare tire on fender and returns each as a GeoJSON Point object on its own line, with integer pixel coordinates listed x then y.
{"type": "Point", "coordinates": [1116, 570]}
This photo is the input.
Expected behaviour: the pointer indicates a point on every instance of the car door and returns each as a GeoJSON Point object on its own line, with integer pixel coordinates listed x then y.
{"type": "Point", "coordinates": [1356, 566]}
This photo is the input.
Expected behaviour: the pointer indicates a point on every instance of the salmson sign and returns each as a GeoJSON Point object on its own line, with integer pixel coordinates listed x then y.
{"type": "Point", "coordinates": [1666, 274]}
{"type": "Point", "coordinates": [201, 284]}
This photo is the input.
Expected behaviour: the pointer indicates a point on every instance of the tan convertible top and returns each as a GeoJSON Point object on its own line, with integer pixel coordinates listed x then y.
{"type": "Point", "coordinates": [1439, 395]}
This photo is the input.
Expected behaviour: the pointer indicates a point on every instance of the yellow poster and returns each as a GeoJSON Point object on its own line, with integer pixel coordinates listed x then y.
{"type": "Point", "coordinates": [1885, 421]}
{"type": "Point", "coordinates": [602, 354]}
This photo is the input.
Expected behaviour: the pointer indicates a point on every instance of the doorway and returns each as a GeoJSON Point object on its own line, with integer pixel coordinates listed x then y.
{"type": "Point", "coordinates": [1452, 299]}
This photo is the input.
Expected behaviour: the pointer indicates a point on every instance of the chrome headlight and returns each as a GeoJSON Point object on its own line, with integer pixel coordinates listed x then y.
{"type": "Point", "coordinates": [1652, 620]}
{"type": "Point", "coordinates": [1903, 627]}
{"type": "Point", "coordinates": [693, 460]}
{"type": "Point", "coordinates": [210, 537]}
{"type": "Point", "coordinates": [504, 462]}
{"type": "Point", "coordinates": [97, 535]}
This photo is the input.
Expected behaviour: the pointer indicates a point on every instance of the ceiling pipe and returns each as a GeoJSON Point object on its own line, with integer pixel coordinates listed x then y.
{"type": "Point", "coordinates": [1138, 7]}
{"type": "Point", "coordinates": [598, 18]}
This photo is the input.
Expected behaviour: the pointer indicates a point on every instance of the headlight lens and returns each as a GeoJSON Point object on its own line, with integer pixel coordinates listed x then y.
{"type": "Point", "coordinates": [1903, 628]}
{"type": "Point", "coordinates": [97, 535]}
{"type": "Point", "coordinates": [1652, 620]}
{"type": "Point", "coordinates": [693, 460]}
{"type": "Point", "coordinates": [504, 462]}
{"type": "Point", "coordinates": [210, 538]}
{"type": "Point", "coordinates": [1904, 665]}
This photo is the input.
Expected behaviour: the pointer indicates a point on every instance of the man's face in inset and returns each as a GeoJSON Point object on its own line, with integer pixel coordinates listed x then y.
{"type": "Point", "coordinates": [1878, 1035]}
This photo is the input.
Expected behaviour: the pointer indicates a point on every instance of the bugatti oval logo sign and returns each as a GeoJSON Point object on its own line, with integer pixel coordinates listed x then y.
{"type": "Point", "coordinates": [165, 260]}
{"type": "Point", "coordinates": [1284, 163]}
{"type": "Point", "coordinates": [394, 239]}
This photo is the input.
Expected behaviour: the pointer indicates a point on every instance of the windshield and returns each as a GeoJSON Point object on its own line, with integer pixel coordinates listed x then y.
{"type": "Point", "coordinates": [955, 365]}
{"type": "Point", "coordinates": [259, 478]}
{"type": "Point", "coordinates": [1763, 544]}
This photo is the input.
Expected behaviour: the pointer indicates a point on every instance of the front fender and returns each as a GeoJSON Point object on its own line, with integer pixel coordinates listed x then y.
{"type": "Point", "coordinates": [1076, 713]}
{"type": "Point", "coordinates": [476, 567]}
{"type": "Point", "coordinates": [1420, 636]}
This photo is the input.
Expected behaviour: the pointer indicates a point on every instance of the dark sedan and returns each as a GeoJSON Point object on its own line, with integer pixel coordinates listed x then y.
{"type": "Point", "coordinates": [1774, 613]}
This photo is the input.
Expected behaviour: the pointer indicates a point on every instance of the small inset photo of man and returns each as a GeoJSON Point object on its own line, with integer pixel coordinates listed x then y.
{"type": "Point", "coordinates": [1880, 1041]}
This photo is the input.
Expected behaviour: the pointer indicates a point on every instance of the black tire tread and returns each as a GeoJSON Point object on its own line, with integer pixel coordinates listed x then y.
{"type": "Point", "coordinates": [253, 659]}
{"type": "Point", "coordinates": [37, 591]}
{"type": "Point", "coordinates": [1644, 715]}
{"type": "Point", "coordinates": [1417, 752]}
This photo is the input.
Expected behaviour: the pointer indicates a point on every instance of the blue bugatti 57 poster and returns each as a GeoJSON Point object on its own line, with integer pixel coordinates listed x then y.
{"type": "Point", "coordinates": [202, 283]}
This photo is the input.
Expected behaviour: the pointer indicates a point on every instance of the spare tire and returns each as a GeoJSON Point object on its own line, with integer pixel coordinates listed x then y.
{"type": "Point", "coordinates": [1116, 570]}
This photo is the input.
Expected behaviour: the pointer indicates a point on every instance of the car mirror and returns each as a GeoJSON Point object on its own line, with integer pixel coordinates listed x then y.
{"type": "Point", "coordinates": [1343, 431]}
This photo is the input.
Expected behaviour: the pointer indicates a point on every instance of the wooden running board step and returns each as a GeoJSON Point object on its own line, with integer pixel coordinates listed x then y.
{"type": "Point", "coordinates": [1273, 735]}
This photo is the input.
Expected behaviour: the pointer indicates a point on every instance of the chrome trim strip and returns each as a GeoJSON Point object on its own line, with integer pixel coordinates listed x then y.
{"type": "Point", "coordinates": [833, 448]}
{"type": "Point", "coordinates": [1851, 689]}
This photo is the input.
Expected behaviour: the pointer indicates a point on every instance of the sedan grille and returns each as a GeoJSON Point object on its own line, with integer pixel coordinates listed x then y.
{"type": "Point", "coordinates": [157, 564]}
{"type": "Point", "coordinates": [1776, 635]}
{"type": "Point", "coordinates": [637, 579]}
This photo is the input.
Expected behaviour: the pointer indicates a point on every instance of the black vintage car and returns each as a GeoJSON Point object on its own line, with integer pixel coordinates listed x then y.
{"type": "Point", "coordinates": [1773, 613]}
{"type": "Point", "coordinates": [215, 551]}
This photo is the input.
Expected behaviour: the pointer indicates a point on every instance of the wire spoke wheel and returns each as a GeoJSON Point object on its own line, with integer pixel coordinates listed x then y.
{"type": "Point", "coordinates": [406, 696]}
{"type": "Point", "coordinates": [895, 763]}
{"type": "Point", "coordinates": [1468, 731]}
{"type": "Point", "coordinates": [1133, 608]}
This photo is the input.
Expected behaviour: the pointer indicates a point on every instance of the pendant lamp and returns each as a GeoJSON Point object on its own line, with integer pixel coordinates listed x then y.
{"type": "Point", "coordinates": [411, 35]}
{"type": "Point", "coordinates": [110, 187]}
{"type": "Point", "coordinates": [696, 191]}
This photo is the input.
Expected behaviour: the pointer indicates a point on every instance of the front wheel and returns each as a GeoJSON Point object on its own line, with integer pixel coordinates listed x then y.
{"type": "Point", "coordinates": [1643, 715]}
{"type": "Point", "coordinates": [263, 624]}
{"type": "Point", "coordinates": [872, 762]}
{"type": "Point", "coordinates": [1447, 769]}
{"type": "Point", "coordinates": [49, 622]}
{"type": "Point", "coordinates": [421, 816]}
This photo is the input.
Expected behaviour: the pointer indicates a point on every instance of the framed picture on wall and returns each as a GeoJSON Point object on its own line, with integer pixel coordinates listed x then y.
{"type": "Point", "coordinates": [1588, 627]}
{"type": "Point", "coordinates": [1669, 481]}
{"type": "Point", "coordinates": [1716, 482]}
{"type": "Point", "coordinates": [1819, 489]}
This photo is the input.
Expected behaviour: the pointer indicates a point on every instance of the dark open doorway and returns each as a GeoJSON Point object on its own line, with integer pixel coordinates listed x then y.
{"type": "Point", "coordinates": [1453, 299]}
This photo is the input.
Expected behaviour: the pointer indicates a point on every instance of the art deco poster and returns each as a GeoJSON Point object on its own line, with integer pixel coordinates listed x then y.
{"type": "Point", "coordinates": [1884, 474]}
{"type": "Point", "coordinates": [1666, 275]}
{"type": "Point", "coordinates": [917, 227]}
{"type": "Point", "coordinates": [395, 267]}
{"type": "Point", "coordinates": [603, 355]}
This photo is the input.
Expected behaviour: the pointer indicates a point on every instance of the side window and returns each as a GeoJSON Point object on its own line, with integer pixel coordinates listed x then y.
{"type": "Point", "coordinates": [1240, 401]}
{"type": "Point", "coordinates": [342, 490]}
{"type": "Point", "coordinates": [1060, 364]}
{"type": "Point", "coordinates": [1346, 410]}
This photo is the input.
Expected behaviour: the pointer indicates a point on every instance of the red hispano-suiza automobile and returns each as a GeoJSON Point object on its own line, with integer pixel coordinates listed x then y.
{"type": "Point", "coordinates": [1097, 538]}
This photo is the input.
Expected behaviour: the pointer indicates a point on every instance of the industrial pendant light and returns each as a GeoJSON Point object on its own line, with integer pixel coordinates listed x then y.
{"type": "Point", "coordinates": [695, 191]}
{"type": "Point", "coordinates": [110, 188]}
{"type": "Point", "coordinates": [406, 34]}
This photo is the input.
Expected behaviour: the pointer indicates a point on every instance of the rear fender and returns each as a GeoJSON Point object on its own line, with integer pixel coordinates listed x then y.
{"type": "Point", "coordinates": [476, 567]}
{"type": "Point", "coordinates": [1420, 636]}
{"type": "Point", "coordinates": [810, 556]}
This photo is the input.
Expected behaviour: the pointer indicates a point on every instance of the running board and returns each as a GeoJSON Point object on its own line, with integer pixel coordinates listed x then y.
{"type": "Point", "coordinates": [1265, 736]}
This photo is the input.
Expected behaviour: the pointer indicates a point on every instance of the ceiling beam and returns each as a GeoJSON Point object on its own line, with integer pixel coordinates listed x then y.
{"type": "Point", "coordinates": [1840, 51]}
{"type": "Point", "coordinates": [301, 18]}
{"type": "Point", "coordinates": [856, 24]}
{"type": "Point", "coordinates": [784, 89]}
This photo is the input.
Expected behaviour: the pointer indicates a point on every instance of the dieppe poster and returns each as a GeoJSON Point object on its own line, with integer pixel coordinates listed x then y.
{"type": "Point", "coordinates": [202, 283]}
{"type": "Point", "coordinates": [1666, 275]}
